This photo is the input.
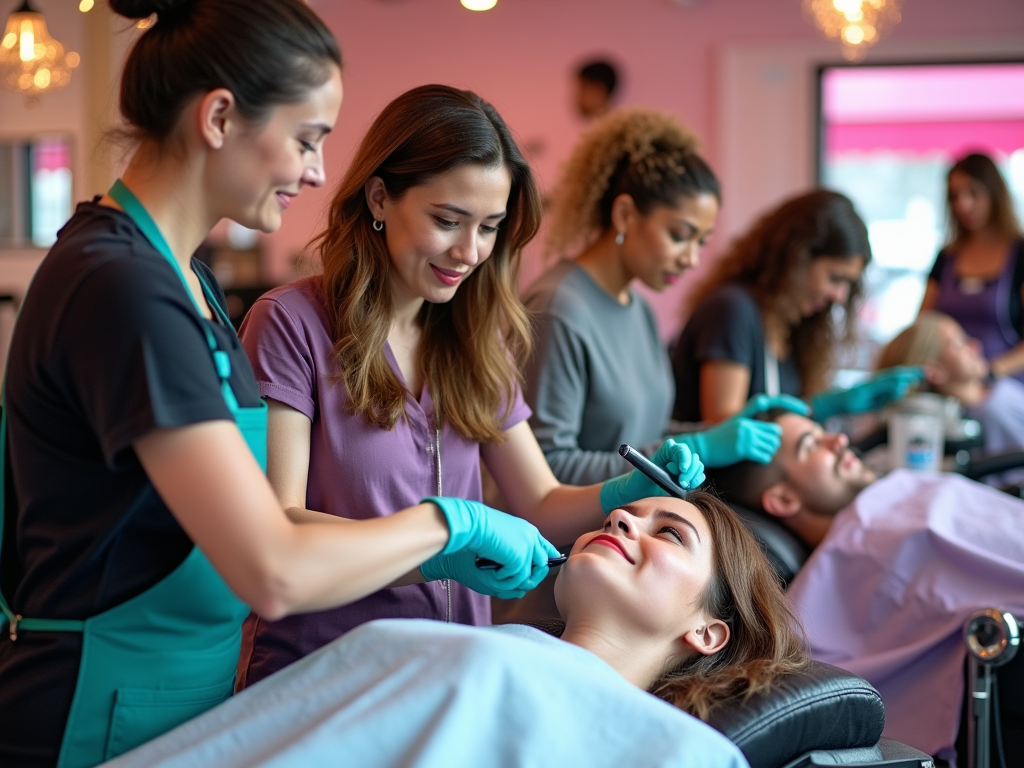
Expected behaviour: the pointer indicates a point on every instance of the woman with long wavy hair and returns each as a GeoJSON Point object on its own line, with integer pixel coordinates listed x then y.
{"type": "Point", "coordinates": [763, 318]}
{"type": "Point", "coordinates": [391, 375]}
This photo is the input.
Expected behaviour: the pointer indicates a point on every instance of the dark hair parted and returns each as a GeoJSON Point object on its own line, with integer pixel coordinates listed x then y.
{"type": "Point", "coordinates": [266, 52]}
{"type": "Point", "coordinates": [982, 169]}
{"type": "Point", "coordinates": [745, 482]}
{"type": "Point", "coordinates": [771, 260]}
{"type": "Point", "coordinates": [474, 346]}
{"type": "Point", "coordinates": [765, 638]}
{"type": "Point", "coordinates": [648, 155]}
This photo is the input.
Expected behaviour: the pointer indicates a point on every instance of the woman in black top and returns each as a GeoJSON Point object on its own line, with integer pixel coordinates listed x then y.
{"type": "Point", "coordinates": [763, 318]}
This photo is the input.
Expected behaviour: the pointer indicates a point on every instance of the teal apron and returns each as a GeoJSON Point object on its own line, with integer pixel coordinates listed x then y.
{"type": "Point", "coordinates": [170, 653]}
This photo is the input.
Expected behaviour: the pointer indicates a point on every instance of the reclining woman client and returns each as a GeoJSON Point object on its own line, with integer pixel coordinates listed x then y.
{"type": "Point", "coordinates": [670, 596]}
{"type": "Point", "coordinates": [955, 366]}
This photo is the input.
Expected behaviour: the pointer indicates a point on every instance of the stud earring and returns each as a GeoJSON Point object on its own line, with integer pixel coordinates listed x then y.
{"type": "Point", "coordinates": [378, 225]}
{"type": "Point", "coordinates": [620, 238]}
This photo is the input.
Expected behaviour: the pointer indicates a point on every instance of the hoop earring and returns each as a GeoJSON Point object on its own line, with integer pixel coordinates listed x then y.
{"type": "Point", "coordinates": [620, 238]}
{"type": "Point", "coordinates": [378, 225]}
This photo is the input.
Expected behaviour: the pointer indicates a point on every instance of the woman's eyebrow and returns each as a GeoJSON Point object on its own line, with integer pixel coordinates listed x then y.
{"type": "Point", "coordinates": [663, 513]}
{"type": "Point", "coordinates": [691, 228]}
{"type": "Point", "coordinates": [322, 127]}
{"type": "Point", "coordinates": [464, 212]}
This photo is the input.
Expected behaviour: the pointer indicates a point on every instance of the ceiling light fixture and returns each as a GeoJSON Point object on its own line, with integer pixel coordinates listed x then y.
{"type": "Point", "coordinates": [32, 62]}
{"type": "Point", "coordinates": [856, 24]}
{"type": "Point", "coordinates": [479, 5]}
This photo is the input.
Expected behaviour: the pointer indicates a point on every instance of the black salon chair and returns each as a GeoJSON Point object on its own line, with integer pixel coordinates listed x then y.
{"type": "Point", "coordinates": [820, 716]}
{"type": "Point", "coordinates": [787, 555]}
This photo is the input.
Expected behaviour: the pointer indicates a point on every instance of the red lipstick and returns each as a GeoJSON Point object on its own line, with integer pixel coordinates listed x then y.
{"type": "Point", "coordinates": [611, 542]}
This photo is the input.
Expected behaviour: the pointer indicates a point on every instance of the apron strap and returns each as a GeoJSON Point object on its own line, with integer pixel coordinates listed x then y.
{"type": "Point", "coordinates": [16, 621]}
{"type": "Point", "coordinates": [134, 208]}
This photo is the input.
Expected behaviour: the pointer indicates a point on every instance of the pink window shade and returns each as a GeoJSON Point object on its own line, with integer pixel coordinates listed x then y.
{"type": "Point", "coordinates": [51, 154]}
{"type": "Point", "coordinates": [955, 138]}
{"type": "Point", "coordinates": [947, 109]}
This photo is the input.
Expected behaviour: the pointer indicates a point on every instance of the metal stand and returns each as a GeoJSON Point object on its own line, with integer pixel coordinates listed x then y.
{"type": "Point", "coordinates": [992, 637]}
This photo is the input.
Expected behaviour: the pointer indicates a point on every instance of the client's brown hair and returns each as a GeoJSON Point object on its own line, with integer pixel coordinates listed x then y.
{"type": "Point", "coordinates": [917, 344]}
{"type": "Point", "coordinates": [766, 640]}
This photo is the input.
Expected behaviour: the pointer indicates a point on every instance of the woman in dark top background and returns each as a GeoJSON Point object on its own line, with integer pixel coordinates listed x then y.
{"type": "Point", "coordinates": [763, 318]}
{"type": "Point", "coordinates": [978, 278]}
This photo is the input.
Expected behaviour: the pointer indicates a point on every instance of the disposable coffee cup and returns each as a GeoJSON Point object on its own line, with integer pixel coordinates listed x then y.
{"type": "Point", "coordinates": [917, 433]}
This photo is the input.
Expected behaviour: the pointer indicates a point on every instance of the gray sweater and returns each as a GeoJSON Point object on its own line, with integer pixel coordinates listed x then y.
{"type": "Point", "coordinates": [599, 376]}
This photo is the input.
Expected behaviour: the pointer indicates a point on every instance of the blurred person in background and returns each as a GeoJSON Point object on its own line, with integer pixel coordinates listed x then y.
{"type": "Point", "coordinates": [596, 83]}
{"type": "Point", "coordinates": [955, 367]}
{"type": "Point", "coordinates": [978, 278]}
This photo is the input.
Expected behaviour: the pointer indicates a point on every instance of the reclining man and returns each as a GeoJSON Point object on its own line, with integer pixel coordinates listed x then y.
{"type": "Point", "coordinates": [899, 563]}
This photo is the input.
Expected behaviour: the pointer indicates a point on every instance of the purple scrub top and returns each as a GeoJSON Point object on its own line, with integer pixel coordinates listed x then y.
{"type": "Point", "coordinates": [356, 470]}
{"type": "Point", "coordinates": [982, 308]}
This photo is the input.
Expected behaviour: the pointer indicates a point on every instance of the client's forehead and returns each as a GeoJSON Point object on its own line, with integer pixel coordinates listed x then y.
{"type": "Point", "coordinates": [650, 505]}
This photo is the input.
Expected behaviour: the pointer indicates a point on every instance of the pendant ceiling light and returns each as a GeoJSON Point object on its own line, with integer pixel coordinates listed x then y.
{"type": "Point", "coordinates": [32, 62]}
{"type": "Point", "coordinates": [856, 24]}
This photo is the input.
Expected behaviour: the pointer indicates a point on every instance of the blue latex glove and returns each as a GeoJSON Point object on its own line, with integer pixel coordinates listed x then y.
{"type": "Point", "coordinates": [477, 530]}
{"type": "Point", "coordinates": [741, 438]}
{"type": "Point", "coordinates": [878, 391]}
{"type": "Point", "coordinates": [675, 458]}
{"type": "Point", "coordinates": [734, 440]}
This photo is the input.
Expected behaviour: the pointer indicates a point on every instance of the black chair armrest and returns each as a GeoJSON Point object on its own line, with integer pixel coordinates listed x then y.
{"type": "Point", "coordinates": [992, 465]}
{"type": "Point", "coordinates": [820, 708]}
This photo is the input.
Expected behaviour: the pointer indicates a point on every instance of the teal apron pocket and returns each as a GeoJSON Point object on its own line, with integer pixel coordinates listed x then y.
{"type": "Point", "coordinates": [141, 714]}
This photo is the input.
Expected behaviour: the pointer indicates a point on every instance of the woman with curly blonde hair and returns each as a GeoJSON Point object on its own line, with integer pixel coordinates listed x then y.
{"type": "Point", "coordinates": [636, 203]}
{"type": "Point", "coordinates": [394, 373]}
{"type": "Point", "coordinates": [763, 319]}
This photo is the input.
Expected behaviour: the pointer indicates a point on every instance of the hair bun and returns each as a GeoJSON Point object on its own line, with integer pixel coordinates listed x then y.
{"type": "Point", "coordinates": [143, 9]}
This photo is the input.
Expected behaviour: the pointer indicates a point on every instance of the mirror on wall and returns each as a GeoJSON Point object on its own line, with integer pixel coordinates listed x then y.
{"type": "Point", "coordinates": [35, 190]}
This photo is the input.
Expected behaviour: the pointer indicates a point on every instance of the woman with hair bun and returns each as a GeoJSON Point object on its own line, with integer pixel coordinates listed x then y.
{"type": "Point", "coordinates": [763, 318]}
{"type": "Point", "coordinates": [635, 204]}
{"type": "Point", "coordinates": [140, 525]}
{"type": "Point", "coordinates": [392, 375]}
{"type": "Point", "coordinates": [978, 278]}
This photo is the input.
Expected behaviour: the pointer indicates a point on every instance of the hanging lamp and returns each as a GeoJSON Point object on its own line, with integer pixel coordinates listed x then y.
{"type": "Point", "coordinates": [32, 62]}
{"type": "Point", "coordinates": [856, 24]}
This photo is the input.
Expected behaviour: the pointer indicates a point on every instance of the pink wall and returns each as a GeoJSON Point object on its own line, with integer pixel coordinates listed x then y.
{"type": "Point", "coordinates": [520, 56]}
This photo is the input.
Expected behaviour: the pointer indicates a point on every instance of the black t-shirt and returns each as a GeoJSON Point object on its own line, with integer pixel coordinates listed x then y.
{"type": "Point", "coordinates": [946, 257]}
{"type": "Point", "coordinates": [108, 346]}
{"type": "Point", "coordinates": [726, 326]}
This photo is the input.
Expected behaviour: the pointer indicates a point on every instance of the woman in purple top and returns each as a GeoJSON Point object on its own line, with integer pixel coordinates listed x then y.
{"type": "Point", "coordinates": [978, 279]}
{"type": "Point", "coordinates": [391, 375]}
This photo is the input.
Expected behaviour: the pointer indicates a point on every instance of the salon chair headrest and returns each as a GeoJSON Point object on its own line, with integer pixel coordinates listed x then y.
{"type": "Point", "coordinates": [821, 708]}
{"type": "Point", "coordinates": [784, 551]}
